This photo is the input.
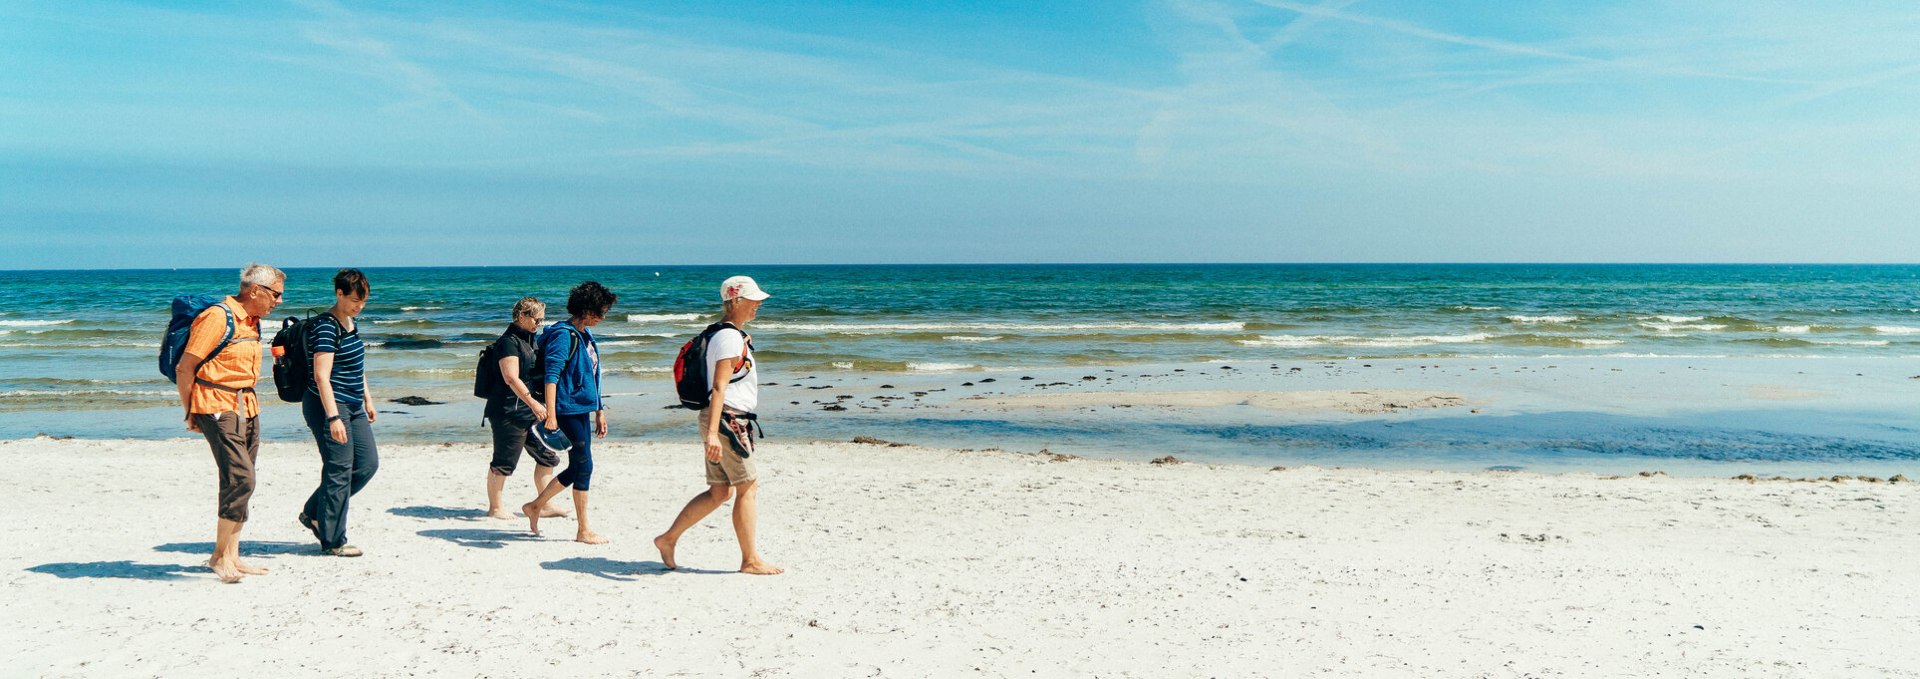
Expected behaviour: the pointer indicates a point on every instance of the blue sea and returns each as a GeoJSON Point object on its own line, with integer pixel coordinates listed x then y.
{"type": "Point", "coordinates": [85, 341]}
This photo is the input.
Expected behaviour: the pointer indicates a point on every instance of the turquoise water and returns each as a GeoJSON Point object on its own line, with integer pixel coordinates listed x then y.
{"type": "Point", "coordinates": [89, 336]}
{"type": "Point", "coordinates": [79, 353]}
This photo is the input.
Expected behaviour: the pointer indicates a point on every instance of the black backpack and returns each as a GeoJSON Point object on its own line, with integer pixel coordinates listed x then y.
{"type": "Point", "coordinates": [690, 376]}
{"type": "Point", "coordinates": [293, 358]}
{"type": "Point", "coordinates": [486, 375]}
{"type": "Point", "coordinates": [487, 380]}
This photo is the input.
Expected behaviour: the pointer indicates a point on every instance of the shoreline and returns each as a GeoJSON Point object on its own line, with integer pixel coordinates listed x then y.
{"type": "Point", "coordinates": [1720, 417]}
{"type": "Point", "coordinates": [913, 561]}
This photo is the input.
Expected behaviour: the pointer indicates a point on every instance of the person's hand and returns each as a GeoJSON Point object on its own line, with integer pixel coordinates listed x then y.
{"type": "Point", "coordinates": [192, 425]}
{"type": "Point", "coordinates": [553, 422]}
{"type": "Point", "coordinates": [338, 430]}
{"type": "Point", "coordinates": [600, 424]}
{"type": "Point", "coordinates": [539, 411]}
{"type": "Point", "coordinates": [371, 415]}
{"type": "Point", "coordinates": [714, 445]}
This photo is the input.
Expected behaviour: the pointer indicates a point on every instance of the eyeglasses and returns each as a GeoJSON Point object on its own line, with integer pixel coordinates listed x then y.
{"type": "Point", "coordinates": [277, 295]}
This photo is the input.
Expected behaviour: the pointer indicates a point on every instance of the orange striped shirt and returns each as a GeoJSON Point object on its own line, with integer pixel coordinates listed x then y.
{"type": "Point", "coordinates": [236, 367]}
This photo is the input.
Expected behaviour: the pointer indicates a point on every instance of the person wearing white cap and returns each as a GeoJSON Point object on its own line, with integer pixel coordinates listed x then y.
{"type": "Point", "coordinates": [727, 426]}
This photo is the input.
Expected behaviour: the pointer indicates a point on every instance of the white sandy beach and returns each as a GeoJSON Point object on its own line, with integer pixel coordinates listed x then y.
{"type": "Point", "coordinates": [915, 562]}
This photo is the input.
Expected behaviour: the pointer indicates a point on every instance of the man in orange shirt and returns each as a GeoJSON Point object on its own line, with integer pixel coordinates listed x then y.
{"type": "Point", "coordinates": [217, 392]}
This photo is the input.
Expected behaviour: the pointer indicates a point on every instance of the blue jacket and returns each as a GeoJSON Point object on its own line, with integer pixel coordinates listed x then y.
{"type": "Point", "coordinates": [576, 379]}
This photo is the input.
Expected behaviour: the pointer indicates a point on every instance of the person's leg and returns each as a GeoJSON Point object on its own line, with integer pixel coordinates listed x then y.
{"type": "Point", "coordinates": [364, 463]}
{"type": "Point", "coordinates": [579, 463]}
{"type": "Point", "coordinates": [745, 508]}
{"type": "Point", "coordinates": [541, 477]}
{"type": "Point", "coordinates": [544, 467]}
{"type": "Point", "coordinates": [579, 473]}
{"type": "Point", "coordinates": [250, 437]}
{"type": "Point", "coordinates": [222, 439]}
{"type": "Point", "coordinates": [327, 506]}
{"type": "Point", "coordinates": [697, 508]}
{"type": "Point", "coordinates": [506, 456]}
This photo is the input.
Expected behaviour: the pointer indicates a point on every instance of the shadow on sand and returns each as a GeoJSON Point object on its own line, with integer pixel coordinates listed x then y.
{"type": "Point", "coordinates": [610, 569]}
{"type": "Point", "coordinates": [481, 538]}
{"type": "Point", "coordinates": [431, 512]}
{"type": "Point", "coordinates": [126, 570]}
{"type": "Point", "coordinates": [247, 548]}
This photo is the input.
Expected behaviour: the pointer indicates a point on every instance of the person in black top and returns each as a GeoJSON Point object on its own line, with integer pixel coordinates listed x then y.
{"type": "Point", "coordinates": [513, 409]}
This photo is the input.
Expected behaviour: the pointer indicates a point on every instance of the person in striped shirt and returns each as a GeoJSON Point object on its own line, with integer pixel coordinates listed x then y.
{"type": "Point", "coordinates": [340, 413]}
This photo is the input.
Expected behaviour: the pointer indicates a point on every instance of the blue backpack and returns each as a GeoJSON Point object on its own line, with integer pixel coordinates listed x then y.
{"type": "Point", "coordinates": [185, 309]}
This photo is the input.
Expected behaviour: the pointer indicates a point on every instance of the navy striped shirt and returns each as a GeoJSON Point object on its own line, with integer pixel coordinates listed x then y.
{"type": "Point", "coordinates": [349, 359]}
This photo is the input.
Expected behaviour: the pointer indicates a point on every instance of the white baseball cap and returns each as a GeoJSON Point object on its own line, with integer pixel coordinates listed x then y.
{"type": "Point", "coordinates": [741, 286]}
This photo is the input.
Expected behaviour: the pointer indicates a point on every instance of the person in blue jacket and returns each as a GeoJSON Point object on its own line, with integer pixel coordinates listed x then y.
{"type": "Point", "coordinates": [574, 406]}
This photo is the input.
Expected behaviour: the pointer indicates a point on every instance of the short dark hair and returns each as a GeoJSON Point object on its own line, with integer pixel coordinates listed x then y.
{"type": "Point", "coordinates": [590, 297]}
{"type": "Point", "coordinates": [351, 281]}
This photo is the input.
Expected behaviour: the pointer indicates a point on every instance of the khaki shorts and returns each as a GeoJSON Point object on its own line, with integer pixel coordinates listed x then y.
{"type": "Point", "coordinates": [731, 470]}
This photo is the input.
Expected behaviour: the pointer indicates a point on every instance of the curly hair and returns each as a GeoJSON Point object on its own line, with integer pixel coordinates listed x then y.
{"type": "Point", "coordinates": [590, 297]}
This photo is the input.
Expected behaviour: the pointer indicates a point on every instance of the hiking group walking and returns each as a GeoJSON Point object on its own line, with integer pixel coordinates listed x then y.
{"type": "Point", "coordinates": [542, 392]}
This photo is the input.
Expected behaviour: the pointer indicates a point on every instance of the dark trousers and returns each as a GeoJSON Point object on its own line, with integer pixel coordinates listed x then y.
{"type": "Point", "coordinates": [345, 468]}
{"type": "Point", "coordinates": [236, 447]}
{"type": "Point", "coordinates": [579, 471]}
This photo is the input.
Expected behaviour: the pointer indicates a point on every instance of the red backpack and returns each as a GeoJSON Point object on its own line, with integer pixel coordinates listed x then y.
{"type": "Point", "coordinates": [690, 376]}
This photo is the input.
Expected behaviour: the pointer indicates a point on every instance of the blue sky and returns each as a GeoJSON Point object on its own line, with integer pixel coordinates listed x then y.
{"type": "Point", "coordinates": [330, 133]}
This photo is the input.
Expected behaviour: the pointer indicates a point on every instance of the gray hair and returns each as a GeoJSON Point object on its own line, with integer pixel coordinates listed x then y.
{"type": "Point", "coordinates": [261, 274]}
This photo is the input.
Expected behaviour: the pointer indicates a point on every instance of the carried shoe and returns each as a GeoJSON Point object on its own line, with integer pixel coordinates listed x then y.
{"type": "Point", "coordinates": [344, 550]}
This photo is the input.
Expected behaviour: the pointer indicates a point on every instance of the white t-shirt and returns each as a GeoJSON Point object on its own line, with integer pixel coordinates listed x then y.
{"type": "Point", "coordinates": [743, 394]}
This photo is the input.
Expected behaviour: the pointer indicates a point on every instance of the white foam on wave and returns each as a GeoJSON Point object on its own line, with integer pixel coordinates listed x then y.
{"type": "Point", "coordinates": [655, 318]}
{"type": "Point", "coordinates": [422, 308]}
{"type": "Point", "coordinates": [1598, 342]}
{"type": "Point", "coordinates": [631, 343]}
{"type": "Point", "coordinates": [1674, 319]}
{"type": "Point", "coordinates": [1882, 329]}
{"type": "Point", "coordinates": [843, 365]}
{"type": "Point", "coordinates": [875, 328]}
{"type": "Point", "coordinates": [1298, 341]}
{"type": "Point", "coordinates": [75, 345]}
{"type": "Point", "coordinates": [1848, 343]}
{"type": "Point", "coordinates": [1676, 327]}
{"type": "Point", "coordinates": [938, 367]}
{"type": "Point", "coordinates": [1469, 307]}
{"type": "Point", "coordinates": [1542, 319]}
{"type": "Point", "coordinates": [645, 369]}
{"type": "Point", "coordinates": [18, 393]}
{"type": "Point", "coordinates": [1794, 329]}
{"type": "Point", "coordinates": [34, 324]}
{"type": "Point", "coordinates": [971, 338]}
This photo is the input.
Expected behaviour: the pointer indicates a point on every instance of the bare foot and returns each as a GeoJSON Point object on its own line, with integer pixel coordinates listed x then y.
{"type": "Point", "coordinates": [552, 511]}
{"type": "Point", "coordinates": [533, 517]}
{"type": "Point", "coordinates": [498, 513]}
{"type": "Point", "coordinates": [666, 552]}
{"type": "Point", "coordinates": [758, 567]}
{"type": "Point", "coordinates": [590, 538]}
{"type": "Point", "coordinates": [226, 572]}
{"type": "Point", "coordinates": [248, 568]}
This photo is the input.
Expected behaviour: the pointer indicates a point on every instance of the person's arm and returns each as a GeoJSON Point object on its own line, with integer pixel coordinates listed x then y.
{"type": "Point", "coordinates": [722, 374]}
{"type": "Point", "coordinates": [202, 337]}
{"type": "Point", "coordinates": [183, 372]}
{"type": "Point", "coordinates": [323, 383]}
{"type": "Point", "coordinates": [510, 374]}
{"type": "Point", "coordinates": [366, 396]}
{"type": "Point", "coordinates": [555, 364]}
